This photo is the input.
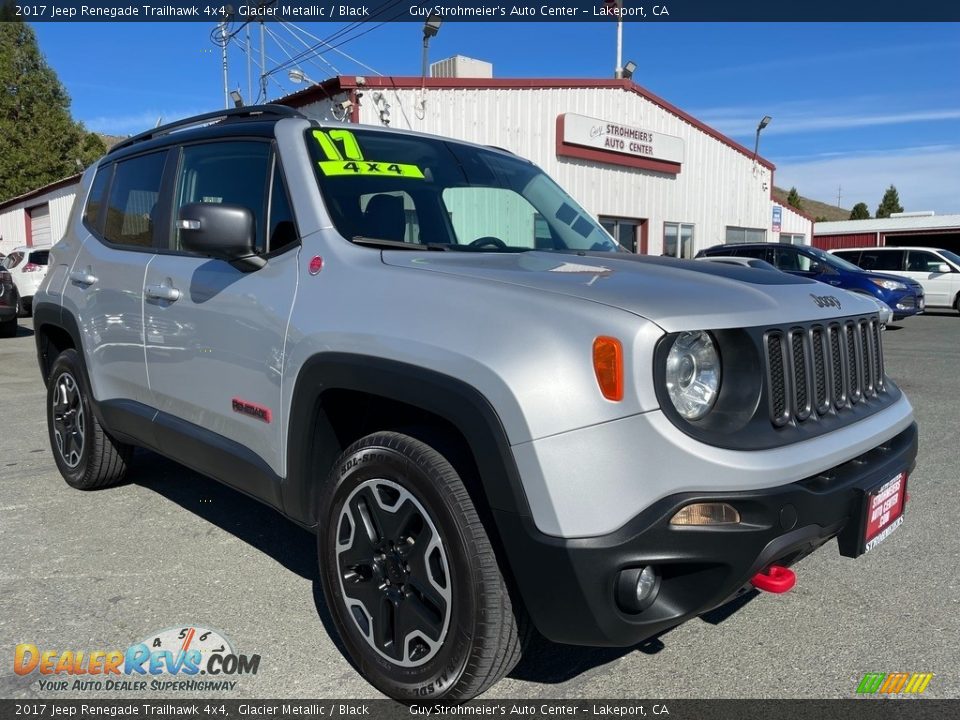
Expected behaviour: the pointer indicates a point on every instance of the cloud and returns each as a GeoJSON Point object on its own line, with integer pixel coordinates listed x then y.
{"type": "Point", "coordinates": [137, 122]}
{"type": "Point", "coordinates": [926, 178]}
{"type": "Point", "coordinates": [795, 118]}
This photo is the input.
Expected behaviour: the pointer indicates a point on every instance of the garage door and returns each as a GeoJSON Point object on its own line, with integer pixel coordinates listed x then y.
{"type": "Point", "coordinates": [40, 225]}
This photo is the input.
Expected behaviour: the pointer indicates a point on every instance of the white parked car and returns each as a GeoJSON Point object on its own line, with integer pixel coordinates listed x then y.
{"type": "Point", "coordinates": [28, 266]}
{"type": "Point", "coordinates": [936, 269]}
{"type": "Point", "coordinates": [883, 310]}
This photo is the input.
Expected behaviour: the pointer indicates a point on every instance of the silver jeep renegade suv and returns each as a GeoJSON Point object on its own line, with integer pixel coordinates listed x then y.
{"type": "Point", "coordinates": [493, 417]}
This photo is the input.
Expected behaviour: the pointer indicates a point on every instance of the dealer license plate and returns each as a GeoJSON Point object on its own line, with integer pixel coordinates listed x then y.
{"type": "Point", "coordinates": [883, 507]}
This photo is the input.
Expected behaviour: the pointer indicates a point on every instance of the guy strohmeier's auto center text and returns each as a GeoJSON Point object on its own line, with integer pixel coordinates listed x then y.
{"type": "Point", "coordinates": [329, 11]}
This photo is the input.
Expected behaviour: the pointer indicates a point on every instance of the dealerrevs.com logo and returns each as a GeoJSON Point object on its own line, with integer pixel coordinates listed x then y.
{"type": "Point", "coordinates": [188, 658]}
{"type": "Point", "coordinates": [894, 683]}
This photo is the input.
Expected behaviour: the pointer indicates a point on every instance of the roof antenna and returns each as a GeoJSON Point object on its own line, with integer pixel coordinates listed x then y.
{"type": "Point", "coordinates": [159, 121]}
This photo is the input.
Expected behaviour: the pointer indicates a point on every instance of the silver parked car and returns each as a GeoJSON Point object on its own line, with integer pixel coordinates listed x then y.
{"type": "Point", "coordinates": [492, 417]}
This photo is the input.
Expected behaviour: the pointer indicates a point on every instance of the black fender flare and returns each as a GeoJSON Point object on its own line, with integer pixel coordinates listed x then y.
{"type": "Point", "coordinates": [452, 399]}
{"type": "Point", "coordinates": [47, 314]}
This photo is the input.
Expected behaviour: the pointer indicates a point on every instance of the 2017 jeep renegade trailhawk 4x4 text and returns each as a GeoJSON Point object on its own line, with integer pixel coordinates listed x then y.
{"type": "Point", "coordinates": [429, 354]}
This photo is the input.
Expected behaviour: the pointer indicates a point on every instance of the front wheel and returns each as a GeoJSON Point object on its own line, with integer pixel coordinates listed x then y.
{"type": "Point", "coordinates": [410, 575]}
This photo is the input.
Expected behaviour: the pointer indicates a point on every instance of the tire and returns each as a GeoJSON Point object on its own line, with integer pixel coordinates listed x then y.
{"type": "Point", "coordinates": [20, 311]}
{"type": "Point", "coordinates": [86, 456]}
{"type": "Point", "coordinates": [956, 303]}
{"type": "Point", "coordinates": [425, 568]}
{"type": "Point", "coordinates": [8, 328]}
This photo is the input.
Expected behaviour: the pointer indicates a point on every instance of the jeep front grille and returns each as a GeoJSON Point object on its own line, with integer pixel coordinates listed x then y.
{"type": "Point", "coordinates": [818, 369]}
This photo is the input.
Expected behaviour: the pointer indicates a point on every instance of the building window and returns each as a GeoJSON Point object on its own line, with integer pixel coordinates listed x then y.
{"type": "Point", "coordinates": [678, 240]}
{"type": "Point", "coordinates": [745, 235]}
{"type": "Point", "coordinates": [628, 232]}
{"type": "Point", "coordinates": [793, 238]}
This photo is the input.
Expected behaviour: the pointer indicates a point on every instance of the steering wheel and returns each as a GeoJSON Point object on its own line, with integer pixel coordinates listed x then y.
{"type": "Point", "coordinates": [488, 241]}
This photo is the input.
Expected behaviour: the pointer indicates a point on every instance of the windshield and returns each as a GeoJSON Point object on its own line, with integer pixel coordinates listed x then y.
{"type": "Point", "coordinates": [832, 260]}
{"type": "Point", "coordinates": [409, 190]}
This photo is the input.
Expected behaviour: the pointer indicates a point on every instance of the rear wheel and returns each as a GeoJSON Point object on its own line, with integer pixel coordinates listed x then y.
{"type": "Point", "coordinates": [86, 456]}
{"type": "Point", "coordinates": [410, 575]}
{"type": "Point", "coordinates": [956, 303]}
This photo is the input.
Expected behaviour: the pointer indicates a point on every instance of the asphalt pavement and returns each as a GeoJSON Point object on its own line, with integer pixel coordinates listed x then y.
{"type": "Point", "coordinates": [170, 549]}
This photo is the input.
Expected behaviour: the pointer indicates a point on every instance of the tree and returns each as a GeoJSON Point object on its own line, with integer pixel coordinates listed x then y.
{"type": "Point", "coordinates": [41, 141]}
{"type": "Point", "coordinates": [890, 203]}
{"type": "Point", "coordinates": [860, 212]}
{"type": "Point", "coordinates": [793, 199]}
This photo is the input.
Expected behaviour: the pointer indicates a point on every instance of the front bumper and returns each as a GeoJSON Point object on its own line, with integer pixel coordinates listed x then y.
{"type": "Point", "coordinates": [569, 585]}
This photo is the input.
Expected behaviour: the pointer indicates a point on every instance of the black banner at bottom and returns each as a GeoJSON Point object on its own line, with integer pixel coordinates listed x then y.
{"type": "Point", "coordinates": [862, 708]}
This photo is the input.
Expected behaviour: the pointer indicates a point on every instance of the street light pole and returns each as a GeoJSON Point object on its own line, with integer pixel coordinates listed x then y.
{"type": "Point", "coordinates": [756, 146]}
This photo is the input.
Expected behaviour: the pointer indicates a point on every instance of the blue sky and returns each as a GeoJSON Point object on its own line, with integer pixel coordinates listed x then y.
{"type": "Point", "coordinates": [859, 106]}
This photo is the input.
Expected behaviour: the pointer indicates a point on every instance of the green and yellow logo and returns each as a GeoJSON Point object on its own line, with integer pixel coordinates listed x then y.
{"type": "Point", "coordinates": [894, 683]}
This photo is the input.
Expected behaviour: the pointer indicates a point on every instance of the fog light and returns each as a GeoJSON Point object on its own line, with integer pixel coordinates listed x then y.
{"type": "Point", "coordinates": [646, 583]}
{"type": "Point", "coordinates": [706, 514]}
{"type": "Point", "coordinates": [637, 588]}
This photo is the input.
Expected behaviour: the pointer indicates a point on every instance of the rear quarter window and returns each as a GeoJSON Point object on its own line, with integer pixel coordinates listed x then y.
{"type": "Point", "coordinates": [91, 213]}
{"type": "Point", "coordinates": [39, 257]}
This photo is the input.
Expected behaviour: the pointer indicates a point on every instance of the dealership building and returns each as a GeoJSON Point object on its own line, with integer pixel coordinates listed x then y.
{"type": "Point", "coordinates": [924, 229]}
{"type": "Point", "coordinates": [661, 181]}
{"type": "Point", "coordinates": [38, 217]}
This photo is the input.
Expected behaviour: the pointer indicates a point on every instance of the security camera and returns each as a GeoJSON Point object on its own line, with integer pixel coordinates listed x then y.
{"type": "Point", "coordinates": [345, 105]}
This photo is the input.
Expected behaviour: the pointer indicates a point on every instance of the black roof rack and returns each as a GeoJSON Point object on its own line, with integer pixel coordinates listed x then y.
{"type": "Point", "coordinates": [264, 111]}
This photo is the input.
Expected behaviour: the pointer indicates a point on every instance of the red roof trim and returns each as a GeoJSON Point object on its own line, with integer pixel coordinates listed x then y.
{"type": "Point", "coordinates": [56, 185]}
{"type": "Point", "coordinates": [565, 149]}
{"type": "Point", "coordinates": [343, 83]}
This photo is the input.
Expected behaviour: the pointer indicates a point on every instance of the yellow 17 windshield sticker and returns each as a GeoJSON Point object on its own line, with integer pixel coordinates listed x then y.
{"type": "Point", "coordinates": [344, 157]}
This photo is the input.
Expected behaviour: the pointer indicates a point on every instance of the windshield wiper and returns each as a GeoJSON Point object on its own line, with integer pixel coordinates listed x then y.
{"type": "Point", "coordinates": [398, 244]}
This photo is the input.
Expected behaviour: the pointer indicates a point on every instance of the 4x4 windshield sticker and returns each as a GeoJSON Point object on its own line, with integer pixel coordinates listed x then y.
{"type": "Point", "coordinates": [344, 157]}
{"type": "Point", "coordinates": [365, 167]}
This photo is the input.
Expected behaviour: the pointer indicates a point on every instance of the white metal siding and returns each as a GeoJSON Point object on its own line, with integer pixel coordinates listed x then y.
{"type": "Point", "coordinates": [794, 223]}
{"type": "Point", "coordinates": [13, 225]}
{"type": "Point", "coordinates": [717, 186]}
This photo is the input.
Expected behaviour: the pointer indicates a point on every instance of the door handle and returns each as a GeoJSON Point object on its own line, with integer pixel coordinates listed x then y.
{"type": "Point", "coordinates": [83, 277]}
{"type": "Point", "coordinates": [162, 292]}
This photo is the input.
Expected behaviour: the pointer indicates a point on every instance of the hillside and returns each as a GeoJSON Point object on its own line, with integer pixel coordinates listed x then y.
{"type": "Point", "coordinates": [813, 208]}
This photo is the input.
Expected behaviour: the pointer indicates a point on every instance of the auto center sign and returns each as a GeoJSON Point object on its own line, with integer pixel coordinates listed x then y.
{"type": "Point", "coordinates": [618, 144]}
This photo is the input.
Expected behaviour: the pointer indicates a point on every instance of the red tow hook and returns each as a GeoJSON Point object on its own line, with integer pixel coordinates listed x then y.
{"type": "Point", "coordinates": [775, 579]}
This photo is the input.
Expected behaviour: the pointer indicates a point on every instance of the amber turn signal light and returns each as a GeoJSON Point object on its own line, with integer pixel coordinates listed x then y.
{"type": "Point", "coordinates": [608, 365]}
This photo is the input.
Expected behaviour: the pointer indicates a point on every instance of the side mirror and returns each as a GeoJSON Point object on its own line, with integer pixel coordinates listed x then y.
{"type": "Point", "coordinates": [817, 268]}
{"type": "Point", "coordinates": [941, 268]}
{"type": "Point", "coordinates": [220, 230]}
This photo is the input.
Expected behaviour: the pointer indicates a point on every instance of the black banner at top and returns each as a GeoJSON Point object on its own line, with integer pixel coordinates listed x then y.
{"type": "Point", "coordinates": [380, 11]}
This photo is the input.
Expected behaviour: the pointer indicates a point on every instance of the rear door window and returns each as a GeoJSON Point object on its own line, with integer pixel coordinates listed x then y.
{"type": "Point", "coordinates": [39, 257]}
{"type": "Point", "coordinates": [133, 203]}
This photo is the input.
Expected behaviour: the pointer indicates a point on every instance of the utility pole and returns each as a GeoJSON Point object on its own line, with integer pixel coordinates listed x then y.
{"type": "Point", "coordinates": [619, 71]}
{"type": "Point", "coordinates": [223, 56]}
{"type": "Point", "coordinates": [263, 64]}
{"type": "Point", "coordinates": [838, 195]}
{"type": "Point", "coordinates": [249, 65]}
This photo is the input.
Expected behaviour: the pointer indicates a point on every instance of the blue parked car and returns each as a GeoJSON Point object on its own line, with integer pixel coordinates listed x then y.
{"type": "Point", "coordinates": [904, 295]}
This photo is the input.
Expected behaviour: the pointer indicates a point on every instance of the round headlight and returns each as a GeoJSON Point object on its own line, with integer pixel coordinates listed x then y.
{"type": "Point", "coordinates": [693, 374]}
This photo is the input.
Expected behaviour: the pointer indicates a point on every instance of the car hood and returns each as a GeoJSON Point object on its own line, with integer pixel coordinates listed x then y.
{"type": "Point", "coordinates": [675, 294]}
